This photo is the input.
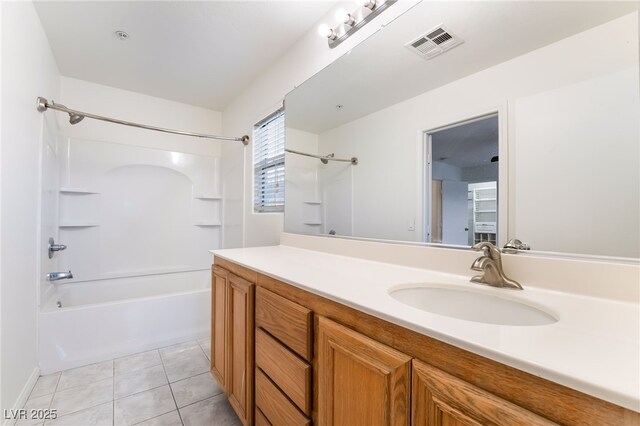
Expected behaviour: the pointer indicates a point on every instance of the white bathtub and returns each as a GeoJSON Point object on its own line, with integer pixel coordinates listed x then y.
{"type": "Point", "coordinates": [100, 320]}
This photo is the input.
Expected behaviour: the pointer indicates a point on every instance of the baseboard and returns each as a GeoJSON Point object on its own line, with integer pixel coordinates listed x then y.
{"type": "Point", "coordinates": [24, 395]}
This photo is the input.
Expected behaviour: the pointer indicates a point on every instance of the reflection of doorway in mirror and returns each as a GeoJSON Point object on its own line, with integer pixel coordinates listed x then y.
{"type": "Point", "coordinates": [462, 173]}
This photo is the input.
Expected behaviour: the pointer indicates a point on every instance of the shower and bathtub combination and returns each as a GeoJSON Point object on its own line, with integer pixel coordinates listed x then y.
{"type": "Point", "coordinates": [128, 268]}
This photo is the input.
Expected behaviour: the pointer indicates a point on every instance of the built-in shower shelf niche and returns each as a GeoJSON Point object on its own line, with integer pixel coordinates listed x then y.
{"type": "Point", "coordinates": [312, 215]}
{"type": "Point", "coordinates": [78, 224]}
{"type": "Point", "coordinates": [208, 197]}
{"type": "Point", "coordinates": [79, 207]}
{"type": "Point", "coordinates": [78, 191]}
{"type": "Point", "coordinates": [206, 210]}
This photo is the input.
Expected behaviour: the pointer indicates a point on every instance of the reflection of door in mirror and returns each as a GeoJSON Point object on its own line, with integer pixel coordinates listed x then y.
{"type": "Point", "coordinates": [436, 211]}
{"type": "Point", "coordinates": [463, 169]}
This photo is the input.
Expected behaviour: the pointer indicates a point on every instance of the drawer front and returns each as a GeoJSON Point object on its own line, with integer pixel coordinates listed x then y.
{"type": "Point", "coordinates": [287, 321]}
{"type": "Point", "coordinates": [290, 373]}
{"type": "Point", "coordinates": [275, 406]}
{"type": "Point", "coordinates": [260, 419]}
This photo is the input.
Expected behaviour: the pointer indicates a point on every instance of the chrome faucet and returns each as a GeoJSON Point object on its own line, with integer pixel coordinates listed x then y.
{"type": "Point", "coordinates": [55, 276]}
{"type": "Point", "coordinates": [490, 263]}
{"type": "Point", "coordinates": [514, 245]}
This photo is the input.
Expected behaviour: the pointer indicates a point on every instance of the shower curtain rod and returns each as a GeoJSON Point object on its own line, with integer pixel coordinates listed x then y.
{"type": "Point", "coordinates": [325, 158]}
{"type": "Point", "coordinates": [76, 116]}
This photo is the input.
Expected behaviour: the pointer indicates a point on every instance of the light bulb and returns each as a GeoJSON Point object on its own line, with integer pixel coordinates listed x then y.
{"type": "Point", "coordinates": [343, 17]}
{"type": "Point", "coordinates": [325, 31]}
{"type": "Point", "coordinates": [369, 4]}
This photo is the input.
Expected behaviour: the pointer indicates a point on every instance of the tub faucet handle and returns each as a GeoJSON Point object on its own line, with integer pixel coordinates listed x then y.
{"type": "Point", "coordinates": [53, 247]}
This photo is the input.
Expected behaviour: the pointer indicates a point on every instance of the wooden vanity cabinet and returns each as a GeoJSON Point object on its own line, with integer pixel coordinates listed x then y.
{"type": "Point", "coordinates": [232, 339]}
{"type": "Point", "coordinates": [240, 347]}
{"type": "Point", "coordinates": [440, 399]}
{"type": "Point", "coordinates": [219, 290]}
{"type": "Point", "coordinates": [318, 361]}
{"type": "Point", "coordinates": [360, 381]}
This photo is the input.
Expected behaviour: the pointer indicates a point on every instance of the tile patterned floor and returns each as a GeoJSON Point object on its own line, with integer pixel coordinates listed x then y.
{"type": "Point", "coordinates": [165, 387]}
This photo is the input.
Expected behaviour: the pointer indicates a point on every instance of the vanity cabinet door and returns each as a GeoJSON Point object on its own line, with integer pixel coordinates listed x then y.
{"type": "Point", "coordinates": [218, 356]}
{"type": "Point", "coordinates": [439, 399]}
{"type": "Point", "coordinates": [360, 381]}
{"type": "Point", "coordinates": [240, 345]}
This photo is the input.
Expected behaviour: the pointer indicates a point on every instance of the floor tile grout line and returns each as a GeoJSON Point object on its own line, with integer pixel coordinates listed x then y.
{"type": "Point", "coordinates": [52, 393]}
{"type": "Point", "coordinates": [139, 392]}
{"type": "Point", "coordinates": [55, 389]}
{"type": "Point", "coordinates": [83, 385]}
{"type": "Point", "coordinates": [86, 408]}
{"type": "Point", "coordinates": [196, 402]}
{"type": "Point", "coordinates": [76, 412]}
{"type": "Point", "coordinates": [155, 417]}
{"type": "Point", "coordinates": [113, 393]}
{"type": "Point", "coordinates": [171, 389]}
{"type": "Point", "coordinates": [136, 354]}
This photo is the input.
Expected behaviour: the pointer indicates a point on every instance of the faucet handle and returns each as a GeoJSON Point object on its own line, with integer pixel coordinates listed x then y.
{"type": "Point", "coordinates": [487, 249]}
{"type": "Point", "coordinates": [514, 245]}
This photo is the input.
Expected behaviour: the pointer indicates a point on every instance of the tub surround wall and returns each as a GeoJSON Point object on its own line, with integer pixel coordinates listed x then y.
{"type": "Point", "coordinates": [134, 205]}
{"type": "Point", "coordinates": [49, 204]}
{"type": "Point", "coordinates": [128, 211]}
{"type": "Point", "coordinates": [28, 70]}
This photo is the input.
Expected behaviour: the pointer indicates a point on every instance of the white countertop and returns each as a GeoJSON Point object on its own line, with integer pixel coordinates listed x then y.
{"type": "Point", "coordinates": [593, 348]}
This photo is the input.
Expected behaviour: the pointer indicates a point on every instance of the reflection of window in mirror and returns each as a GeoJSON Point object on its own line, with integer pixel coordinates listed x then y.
{"type": "Point", "coordinates": [462, 195]}
{"type": "Point", "coordinates": [268, 164]}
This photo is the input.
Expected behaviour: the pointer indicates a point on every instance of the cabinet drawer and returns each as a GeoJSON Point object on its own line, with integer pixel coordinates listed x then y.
{"type": "Point", "coordinates": [290, 373]}
{"type": "Point", "coordinates": [286, 321]}
{"type": "Point", "coordinates": [261, 420]}
{"type": "Point", "coordinates": [275, 406]}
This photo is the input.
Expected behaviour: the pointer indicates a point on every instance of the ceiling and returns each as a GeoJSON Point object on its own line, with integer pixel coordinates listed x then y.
{"type": "Point", "coordinates": [467, 145]}
{"type": "Point", "coordinates": [381, 71]}
{"type": "Point", "coordinates": [201, 53]}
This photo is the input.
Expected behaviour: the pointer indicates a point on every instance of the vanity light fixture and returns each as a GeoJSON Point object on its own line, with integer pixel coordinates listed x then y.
{"type": "Point", "coordinates": [349, 23]}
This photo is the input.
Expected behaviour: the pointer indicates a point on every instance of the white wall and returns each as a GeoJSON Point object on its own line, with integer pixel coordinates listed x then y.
{"type": "Point", "coordinates": [441, 170]}
{"type": "Point", "coordinates": [131, 106]}
{"type": "Point", "coordinates": [387, 189]}
{"type": "Point", "coordinates": [28, 70]}
{"type": "Point", "coordinates": [308, 56]}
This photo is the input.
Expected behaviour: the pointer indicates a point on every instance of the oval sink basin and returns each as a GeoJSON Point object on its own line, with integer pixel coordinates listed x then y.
{"type": "Point", "coordinates": [472, 306]}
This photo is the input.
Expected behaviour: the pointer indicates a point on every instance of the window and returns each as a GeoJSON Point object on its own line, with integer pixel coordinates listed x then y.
{"type": "Point", "coordinates": [268, 164]}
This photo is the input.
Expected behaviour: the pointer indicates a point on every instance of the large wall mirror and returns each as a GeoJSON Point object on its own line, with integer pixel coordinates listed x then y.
{"type": "Point", "coordinates": [524, 122]}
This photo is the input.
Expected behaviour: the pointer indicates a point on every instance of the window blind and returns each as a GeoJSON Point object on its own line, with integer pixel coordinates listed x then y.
{"type": "Point", "coordinates": [268, 164]}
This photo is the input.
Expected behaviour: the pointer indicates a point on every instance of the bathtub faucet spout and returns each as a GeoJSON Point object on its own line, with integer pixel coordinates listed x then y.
{"type": "Point", "coordinates": [55, 276]}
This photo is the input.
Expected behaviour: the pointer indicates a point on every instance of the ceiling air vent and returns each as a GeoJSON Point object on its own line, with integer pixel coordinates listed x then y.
{"type": "Point", "coordinates": [434, 42]}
